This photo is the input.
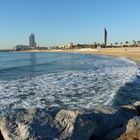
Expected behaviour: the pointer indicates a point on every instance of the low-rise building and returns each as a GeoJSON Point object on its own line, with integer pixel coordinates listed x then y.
{"type": "Point", "coordinates": [69, 46]}
{"type": "Point", "coordinates": [21, 47]}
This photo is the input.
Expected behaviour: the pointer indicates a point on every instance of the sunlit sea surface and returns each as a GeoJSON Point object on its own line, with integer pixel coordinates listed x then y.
{"type": "Point", "coordinates": [66, 80]}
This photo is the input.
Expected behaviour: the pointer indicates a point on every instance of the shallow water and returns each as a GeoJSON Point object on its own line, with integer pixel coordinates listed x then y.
{"type": "Point", "coordinates": [66, 80]}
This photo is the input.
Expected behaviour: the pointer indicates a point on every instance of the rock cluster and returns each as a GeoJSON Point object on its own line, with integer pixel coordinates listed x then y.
{"type": "Point", "coordinates": [100, 123]}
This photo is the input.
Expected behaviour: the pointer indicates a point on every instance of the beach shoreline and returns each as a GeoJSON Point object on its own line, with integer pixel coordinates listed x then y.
{"type": "Point", "coordinates": [95, 122]}
{"type": "Point", "coordinates": [132, 53]}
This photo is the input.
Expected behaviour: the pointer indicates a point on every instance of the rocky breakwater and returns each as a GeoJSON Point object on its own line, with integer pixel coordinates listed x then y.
{"type": "Point", "coordinates": [100, 123]}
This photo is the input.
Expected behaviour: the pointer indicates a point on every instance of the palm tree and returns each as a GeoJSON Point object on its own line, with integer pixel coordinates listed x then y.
{"type": "Point", "coordinates": [95, 43]}
{"type": "Point", "coordinates": [121, 43]}
{"type": "Point", "coordinates": [134, 43]}
{"type": "Point", "coordinates": [116, 43]}
{"type": "Point", "coordinates": [138, 42]}
{"type": "Point", "coordinates": [111, 44]}
{"type": "Point", "coordinates": [126, 42]}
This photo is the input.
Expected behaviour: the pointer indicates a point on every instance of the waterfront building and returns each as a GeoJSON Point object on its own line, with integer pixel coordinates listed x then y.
{"type": "Point", "coordinates": [105, 37]}
{"type": "Point", "coordinates": [69, 45]}
{"type": "Point", "coordinates": [32, 43]}
{"type": "Point", "coordinates": [21, 47]}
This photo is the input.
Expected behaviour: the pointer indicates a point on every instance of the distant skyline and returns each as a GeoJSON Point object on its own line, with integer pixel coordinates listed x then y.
{"type": "Point", "coordinates": [58, 22]}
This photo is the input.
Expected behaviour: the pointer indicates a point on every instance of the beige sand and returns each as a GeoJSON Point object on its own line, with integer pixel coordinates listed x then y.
{"type": "Point", "coordinates": [131, 53]}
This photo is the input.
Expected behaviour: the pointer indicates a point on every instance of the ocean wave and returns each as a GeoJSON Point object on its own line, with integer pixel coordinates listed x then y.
{"type": "Point", "coordinates": [70, 89]}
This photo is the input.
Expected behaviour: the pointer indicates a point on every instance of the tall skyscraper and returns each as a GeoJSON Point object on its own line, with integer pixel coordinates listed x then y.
{"type": "Point", "coordinates": [105, 37]}
{"type": "Point", "coordinates": [32, 43]}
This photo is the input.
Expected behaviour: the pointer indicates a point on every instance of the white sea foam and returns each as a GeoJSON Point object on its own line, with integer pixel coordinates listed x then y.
{"type": "Point", "coordinates": [71, 89]}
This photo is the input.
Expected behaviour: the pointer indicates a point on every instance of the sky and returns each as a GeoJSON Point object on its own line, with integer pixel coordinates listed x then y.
{"type": "Point", "coordinates": [58, 22]}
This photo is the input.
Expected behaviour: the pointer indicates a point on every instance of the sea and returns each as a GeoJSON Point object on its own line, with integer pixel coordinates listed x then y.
{"type": "Point", "coordinates": [66, 80]}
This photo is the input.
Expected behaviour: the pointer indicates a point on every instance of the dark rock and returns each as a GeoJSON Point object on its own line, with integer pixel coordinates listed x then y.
{"type": "Point", "coordinates": [1, 136]}
{"type": "Point", "coordinates": [100, 123]}
{"type": "Point", "coordinates": [138, 109]}
{"type": "Point", "coordinates": [40, 124]}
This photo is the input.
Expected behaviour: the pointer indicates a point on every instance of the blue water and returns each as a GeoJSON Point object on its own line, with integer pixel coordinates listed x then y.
{"type": "Point", "coordinates": [66, 80]}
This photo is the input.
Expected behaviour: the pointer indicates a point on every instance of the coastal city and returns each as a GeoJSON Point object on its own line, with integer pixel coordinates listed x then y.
{"type": "Point", "coordinates": [33, 45]}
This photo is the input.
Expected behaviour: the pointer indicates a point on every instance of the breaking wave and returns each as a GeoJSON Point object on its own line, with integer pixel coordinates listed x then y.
{"type": "Point", "coordinates": [73, 88]}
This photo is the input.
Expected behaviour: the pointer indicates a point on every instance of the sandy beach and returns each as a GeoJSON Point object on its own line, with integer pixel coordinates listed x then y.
{"type": "Point", "coordinates": [130, 53]}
